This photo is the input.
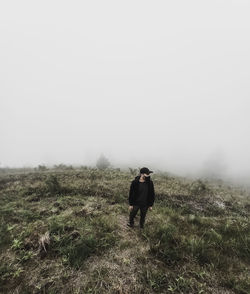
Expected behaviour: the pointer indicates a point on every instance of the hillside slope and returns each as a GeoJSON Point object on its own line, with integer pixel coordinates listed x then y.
{"type": "Point", "coordinates": [64, 231]}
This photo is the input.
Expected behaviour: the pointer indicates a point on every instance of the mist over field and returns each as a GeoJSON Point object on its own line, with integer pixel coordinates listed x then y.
{"type": "Point", "coordinates": [159, 84]}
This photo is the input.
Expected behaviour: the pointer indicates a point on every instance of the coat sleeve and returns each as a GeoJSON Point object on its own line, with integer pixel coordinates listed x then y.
{"type": "Point", "coordinates": [131, 194]}
{"type": "Point", "coordinates": [152, 198]}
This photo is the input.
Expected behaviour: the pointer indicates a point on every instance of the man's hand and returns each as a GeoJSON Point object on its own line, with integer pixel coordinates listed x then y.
{"type": "Point", "coordinates": [130, 207]}
{"type": "Point", "coordinates": [150, 207]}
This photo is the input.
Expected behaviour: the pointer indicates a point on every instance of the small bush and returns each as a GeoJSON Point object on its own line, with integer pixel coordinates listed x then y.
{"type": "Point", "coordinates": [53, 186]}
{"type": "Point", "coordinates": [198, 188]}
{"type": "Point", "coordinates": [42, 168]}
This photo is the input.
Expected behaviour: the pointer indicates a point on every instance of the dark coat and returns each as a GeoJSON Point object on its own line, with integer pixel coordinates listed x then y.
{"type": "Point", "coordinates": [134, 188]}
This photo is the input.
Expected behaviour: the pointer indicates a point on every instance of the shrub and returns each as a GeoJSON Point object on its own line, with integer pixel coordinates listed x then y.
{"type": "Point", "coordinates": [52, 184]}
{"type": "Point", "coordinates": [198, 188]}
{"type": "Point", "coordinates": [42, 168]}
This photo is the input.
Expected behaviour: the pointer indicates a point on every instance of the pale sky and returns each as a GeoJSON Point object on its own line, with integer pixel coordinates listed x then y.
{"type": "Point", "coordinates": [163, 84]}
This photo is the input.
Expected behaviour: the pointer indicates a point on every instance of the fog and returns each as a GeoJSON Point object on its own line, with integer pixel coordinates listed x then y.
{"type": "Point", "coordinates": [162, 84]}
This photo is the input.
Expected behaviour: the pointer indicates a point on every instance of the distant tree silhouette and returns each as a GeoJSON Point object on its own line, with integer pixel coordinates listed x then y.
{"type": "Point", "coordinates": [102, 162]}
{"type": "Point", "coordinates": [42, 167]}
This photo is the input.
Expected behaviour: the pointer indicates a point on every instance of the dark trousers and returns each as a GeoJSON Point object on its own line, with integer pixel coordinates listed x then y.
{"type": "Point", "coordinates": [143, 212]}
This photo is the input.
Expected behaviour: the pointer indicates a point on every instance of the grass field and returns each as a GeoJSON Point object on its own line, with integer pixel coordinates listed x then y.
{"type": "Point", "coordinates": [63, 230]}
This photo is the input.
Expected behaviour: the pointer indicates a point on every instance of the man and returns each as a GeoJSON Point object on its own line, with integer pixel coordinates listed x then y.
{"type": "Point", "coordinates": [141, 196]}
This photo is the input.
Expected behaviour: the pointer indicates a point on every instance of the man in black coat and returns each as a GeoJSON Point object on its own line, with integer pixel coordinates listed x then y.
{"type": "Point", "coordinates": [141, 196]}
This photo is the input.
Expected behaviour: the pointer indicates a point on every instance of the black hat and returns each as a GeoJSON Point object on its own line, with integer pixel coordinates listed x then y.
{"type": "Point", "coordinates": [145, 170]}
